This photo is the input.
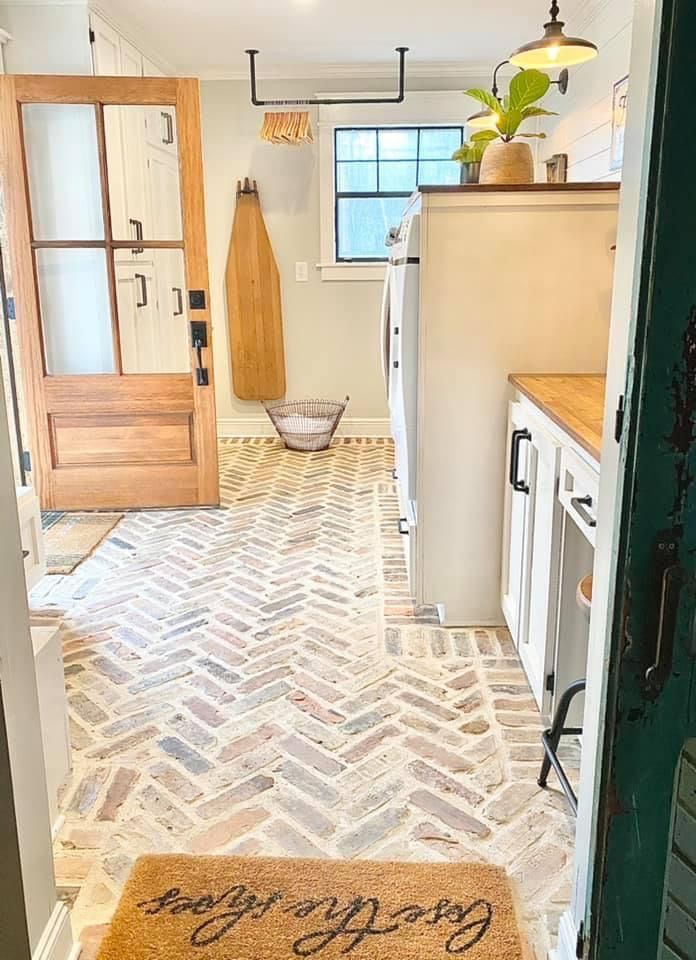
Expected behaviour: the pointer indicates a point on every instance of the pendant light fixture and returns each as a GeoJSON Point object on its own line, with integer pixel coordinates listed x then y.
{"type": "Point", "coordinates": [487, 118]}
{"type": "Point", "coordinates": [554, 49]}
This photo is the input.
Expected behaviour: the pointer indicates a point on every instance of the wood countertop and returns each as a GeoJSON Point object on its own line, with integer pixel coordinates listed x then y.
{"type": "Point", "coordinates": [574, 401]}
{"type": "Point", "coordinates": [572, 187]}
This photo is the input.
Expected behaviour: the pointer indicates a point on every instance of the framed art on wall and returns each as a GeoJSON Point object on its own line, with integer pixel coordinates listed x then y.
{"type": "Point", "coordinates": [618, 123]}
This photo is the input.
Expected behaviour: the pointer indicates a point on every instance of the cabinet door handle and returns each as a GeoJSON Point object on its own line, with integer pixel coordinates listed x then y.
{"type": "Point", "coordinates": [142, 279]}
{"type": "Point", "coordinates": [517, 437]}
{"type": "Point", "coordinates": [138, 224]}
{"type": "Point", "coordinates": [403, 526]}
{"type": "Point", "coordinates": [578, 504]}
{"type": "Point", "coordinates": [179, 301]}
{"type": "Point", "coordinates": [169, 127]}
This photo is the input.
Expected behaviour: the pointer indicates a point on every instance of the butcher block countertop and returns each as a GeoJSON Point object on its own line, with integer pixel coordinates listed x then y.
{"type": "Point", "coordinates": [574, 401]}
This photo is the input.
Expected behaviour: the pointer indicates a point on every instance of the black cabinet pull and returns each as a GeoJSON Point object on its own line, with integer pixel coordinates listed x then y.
{"type": "Point", "coordinates": [517, 437]}
{"type": "Point", "coordinates": [179, 301]}
{"type": "Point", "coordinates": [142, 279]}
{"type": "Point", "coordinates": [396, 364]}
{"type": "Point", "coordinates": [578, 504]}
{"type": "Point", "coordinates": [138, 224]}
{"type": "Point", "coordinates": [403, 526]}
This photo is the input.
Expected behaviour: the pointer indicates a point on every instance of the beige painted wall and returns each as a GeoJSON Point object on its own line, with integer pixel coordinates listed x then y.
{"type": "Point", "coordinates": [331, 327]}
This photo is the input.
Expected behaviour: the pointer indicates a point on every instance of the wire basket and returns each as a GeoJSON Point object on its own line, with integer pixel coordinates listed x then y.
{"type": "Point", "coordinates": [306, 424]}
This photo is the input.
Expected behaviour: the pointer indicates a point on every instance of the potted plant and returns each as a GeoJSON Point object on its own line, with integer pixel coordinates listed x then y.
{"type": "Point", "coordinates": [508, 159]}
{"type": "Point", "coordinates": [470, 155]}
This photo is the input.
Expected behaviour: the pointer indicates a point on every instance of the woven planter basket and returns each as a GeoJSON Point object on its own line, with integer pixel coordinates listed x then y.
{"type": "Point", "coordinates": [507, 163]}
{"type": "Point", "coordinates": [306, 424]}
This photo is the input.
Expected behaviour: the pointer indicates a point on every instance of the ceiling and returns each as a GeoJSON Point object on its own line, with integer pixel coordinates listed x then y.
{"type": "Point", "coordinates": [321, 37]}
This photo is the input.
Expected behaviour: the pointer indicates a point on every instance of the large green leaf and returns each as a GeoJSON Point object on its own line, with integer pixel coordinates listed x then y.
{"type": "Point", "coordinates": [509, 123]}
{"type": "Point", "coordinates": [537, 112]}
{"type": "Point", "coordinates": [485, 97]}
{"type": "Point", "coordinates": [526, 87]}
{"type": "Point", "coordinates": [485, 135]}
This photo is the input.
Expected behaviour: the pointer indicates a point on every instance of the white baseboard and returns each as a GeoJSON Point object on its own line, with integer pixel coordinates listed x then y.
{"type": "Point", "coordinates": [57, 942]}
{"type": "Point", "coordinates": [566, 948]}
{"type": "Point", "coordinates": [231, 427]}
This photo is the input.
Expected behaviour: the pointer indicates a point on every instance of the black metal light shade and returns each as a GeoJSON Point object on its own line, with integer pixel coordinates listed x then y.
{"type": "Point", "coordinates": [554, 49]}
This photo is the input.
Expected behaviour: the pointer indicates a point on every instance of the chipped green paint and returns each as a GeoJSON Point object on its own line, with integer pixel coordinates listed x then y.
{"type": "Point", "coordinates": [646, 728]}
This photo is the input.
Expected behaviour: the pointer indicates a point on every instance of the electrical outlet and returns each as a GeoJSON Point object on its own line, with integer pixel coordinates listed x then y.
{"type": "Point", "coordinates": [301, 271]}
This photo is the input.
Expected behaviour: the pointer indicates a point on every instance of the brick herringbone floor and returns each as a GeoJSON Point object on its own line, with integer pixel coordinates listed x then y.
{"type": "Point", "coordinates": [255, 680]}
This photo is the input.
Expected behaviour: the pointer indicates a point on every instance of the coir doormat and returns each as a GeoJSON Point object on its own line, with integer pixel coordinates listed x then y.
{"type": "Point", "coordinates": [69, 538]}
{"type": "Point", "coordinates": [235, 908]}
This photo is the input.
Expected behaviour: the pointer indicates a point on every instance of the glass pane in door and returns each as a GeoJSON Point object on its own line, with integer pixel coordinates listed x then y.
{"type": "Point", "coordinates": [152, 313]}
{"type": "Point", "coordinates": [75, 311]}
{"type": "Point", "coordinates": [63, 172]}
{"type": "Point", "coordinates": [143, 171]}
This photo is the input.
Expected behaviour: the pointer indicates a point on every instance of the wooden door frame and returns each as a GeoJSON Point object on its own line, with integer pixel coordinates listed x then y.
{"type": "Point", "coordinates": [183, 94]}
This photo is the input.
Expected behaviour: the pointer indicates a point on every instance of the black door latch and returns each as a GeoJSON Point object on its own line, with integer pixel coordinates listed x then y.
{"type": "Point", "coordinates": [199, 339]}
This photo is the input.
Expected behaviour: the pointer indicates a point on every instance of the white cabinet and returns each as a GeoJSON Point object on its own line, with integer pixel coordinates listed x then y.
{"type": "Point", "coordinates": [152, 314]}
{"type": "Point", "coordinates": [531, 545]}
{"type": "Point", "coordinates": [131, 59]}
{"type": "Point", "coordinates": [106, 50]}
{"type": "Point", "coordinates": [53, 712]}
{"type": "Point", "coordinates": [29, 512]}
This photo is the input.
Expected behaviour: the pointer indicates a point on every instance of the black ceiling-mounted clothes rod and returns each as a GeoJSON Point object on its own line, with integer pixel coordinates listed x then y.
{"type": "Point", "coordinates": [309, 102]}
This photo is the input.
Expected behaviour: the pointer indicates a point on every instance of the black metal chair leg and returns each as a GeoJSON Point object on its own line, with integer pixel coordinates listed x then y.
{"type": "Point", "coordinates": [551, 739]}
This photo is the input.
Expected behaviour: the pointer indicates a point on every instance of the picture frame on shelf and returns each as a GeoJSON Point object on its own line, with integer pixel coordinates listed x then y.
{"type": "Point", "coordinates": [557, 168]}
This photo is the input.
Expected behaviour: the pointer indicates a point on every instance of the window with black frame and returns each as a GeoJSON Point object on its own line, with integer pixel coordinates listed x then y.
{"type": "Point", "coordinates": [376, 171]}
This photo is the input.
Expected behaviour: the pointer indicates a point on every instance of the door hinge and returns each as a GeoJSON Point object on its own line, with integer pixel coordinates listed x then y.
{"type": "Point", "coordinates": [619, 419]}
{"type": "Point", "coordinates": [580, 943]}
{"type": "Point", "coordinates": [92, 35]}
{"type": "Point", "coordinates": [550, 684]}
{"type": "Point", "coordinates": [26, 460]}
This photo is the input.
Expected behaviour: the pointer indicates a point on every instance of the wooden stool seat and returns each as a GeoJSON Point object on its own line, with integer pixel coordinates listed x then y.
{"type": "Point", "coordinates": [584, 594]}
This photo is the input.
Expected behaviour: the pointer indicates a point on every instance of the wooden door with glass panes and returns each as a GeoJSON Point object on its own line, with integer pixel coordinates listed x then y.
{"type": "Point", "coordinates": [107, 239]}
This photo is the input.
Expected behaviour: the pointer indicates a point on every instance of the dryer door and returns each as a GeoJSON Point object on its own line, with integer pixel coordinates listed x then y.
{"type": "Point", "coordinates": [385, 328]}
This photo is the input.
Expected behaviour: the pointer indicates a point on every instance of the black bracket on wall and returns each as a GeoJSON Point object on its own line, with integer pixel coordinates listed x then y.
{"type": "Point", "coordinates": [399, 98]}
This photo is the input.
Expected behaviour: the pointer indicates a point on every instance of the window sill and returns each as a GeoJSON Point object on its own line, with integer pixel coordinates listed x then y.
{"type": "Point", "coordinates": [352, 271]}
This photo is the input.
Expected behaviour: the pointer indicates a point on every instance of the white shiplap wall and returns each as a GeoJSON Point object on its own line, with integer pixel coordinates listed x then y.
{"type": "Point", "coordinates": [583, 127]}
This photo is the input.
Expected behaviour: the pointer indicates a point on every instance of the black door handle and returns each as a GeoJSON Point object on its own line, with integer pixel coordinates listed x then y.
{"type": "Point", "coordinates": [579, 504]}
{"type": "Point", "coordinates": [138, 224]}
{"type": "Point", "coordinates": [403, 526]}
{"type": "Point", "coordinates": [673, 579]}
{"type": "Point", "coordinates": [143, 290]}
{"type": "Point", "coordinates": [517, 437]}
{"type": "Point", "coordinates": [179, 301]}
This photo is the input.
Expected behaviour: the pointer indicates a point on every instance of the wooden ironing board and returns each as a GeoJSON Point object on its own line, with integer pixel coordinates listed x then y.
{"type": "Point", "coordinates": [253, 304]}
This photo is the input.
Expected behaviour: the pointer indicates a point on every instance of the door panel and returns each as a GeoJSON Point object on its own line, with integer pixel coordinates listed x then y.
{"type": "Point", "coordinates": [118, 417]}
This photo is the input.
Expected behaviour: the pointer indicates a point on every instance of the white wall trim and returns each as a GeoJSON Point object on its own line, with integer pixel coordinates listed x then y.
{"type": "Point", "coordinates": [57, 942]}
{"type": "Point", "coordinates": [236, 427]}
{"type": "Point", "coordinates": [566, 947]}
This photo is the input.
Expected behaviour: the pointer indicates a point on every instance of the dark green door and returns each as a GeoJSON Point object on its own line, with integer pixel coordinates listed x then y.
{"type": "Point", "coordinates": [652, 673]}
